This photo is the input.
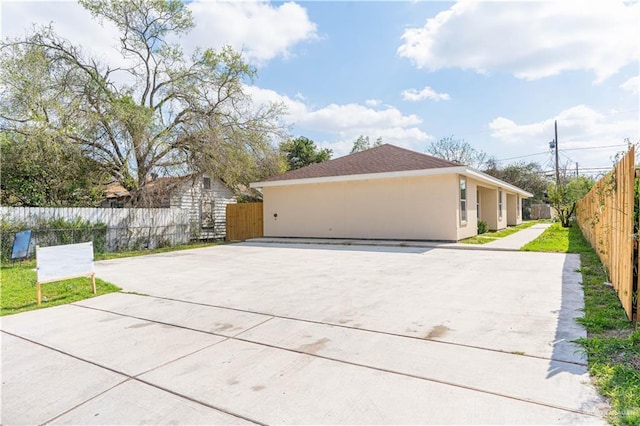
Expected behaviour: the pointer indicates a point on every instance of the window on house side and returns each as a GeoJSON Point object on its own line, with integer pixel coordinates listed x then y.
{"type": "Point", "coordinates": [463, 200]}
{"type": "Point", "coordinates": [519, 212]}
{"type": "Point", "coordinates": [500, 204]}
{"type": "Point", "coordinates": [206, 182]}
{"type": "Point", "coordinates": [478, 204]}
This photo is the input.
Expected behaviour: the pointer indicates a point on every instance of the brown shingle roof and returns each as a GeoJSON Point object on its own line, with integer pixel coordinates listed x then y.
{"type": "Point", "coordinates": [382, 159]}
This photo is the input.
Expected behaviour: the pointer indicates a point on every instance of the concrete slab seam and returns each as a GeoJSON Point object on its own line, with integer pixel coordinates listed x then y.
{"type": "Point", "coordinates": [385, 370]}
{"type": "Point", "coordinates": [51, 420]}
{"type": "Point", "coordinates": [178, 326]}
{"type": "Point", "coordinates": [388, 333]}
{"type": "Point", "coordinates": [129, 377]}
{"type": "Point", "coordinates": [429, 379]}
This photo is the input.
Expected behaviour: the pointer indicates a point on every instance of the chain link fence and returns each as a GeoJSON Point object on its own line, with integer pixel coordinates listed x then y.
{"type": "Point", "coordinates": [124, 230]}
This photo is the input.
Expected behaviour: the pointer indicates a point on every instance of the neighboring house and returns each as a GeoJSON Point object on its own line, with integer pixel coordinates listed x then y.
{"type": "Point", "coordinates": [387, 192]}
{"type": "Point", "coordinates": [206, 199]}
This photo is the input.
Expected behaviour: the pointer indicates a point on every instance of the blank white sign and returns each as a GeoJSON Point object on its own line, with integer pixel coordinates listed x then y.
{"type": "Point", "coordinates": [59, 262]}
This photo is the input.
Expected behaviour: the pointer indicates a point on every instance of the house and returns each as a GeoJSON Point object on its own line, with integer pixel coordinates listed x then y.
{"type": "Point", "coordinates": [205, 197]}
{"type": "Point", "coordinates": [387, 192]}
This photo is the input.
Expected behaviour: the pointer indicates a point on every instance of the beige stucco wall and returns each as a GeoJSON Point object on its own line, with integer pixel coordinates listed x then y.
{"type": "Point", "coordinates": [470, 228]}
{"type": "Point", "coordinates": [489, 207]}
{"type": "Point", "coordinates": [513, 216]}
{"type": "Point", "coordinates": [489, 212]}
{"type": "Point", "coordinates": [417, 208]}
{"type": "Point", "coordinates": [502, 215]}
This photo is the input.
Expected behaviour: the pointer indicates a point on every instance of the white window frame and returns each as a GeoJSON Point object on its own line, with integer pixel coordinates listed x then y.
{"type": "Point", "coordinates": [499, 204]}
{"type": "Point", "coordinates": [462, 193]}
{"type": "Point", "coordinates": [518, 206]}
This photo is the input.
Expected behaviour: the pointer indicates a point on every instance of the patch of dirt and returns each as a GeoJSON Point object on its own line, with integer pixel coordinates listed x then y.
{"type": "Point", "coordinates": [312, 348]}
{"type": "Point", "coordinates": [622, 334]}
{"type": "Point", "coordinates": [140, 325]}
{"type": "Point", "coordinates": [257, 388]}
{"type": "Point", "coordinates": [437, 331]}
{"type": "Point", "coordinates": [223, 327]}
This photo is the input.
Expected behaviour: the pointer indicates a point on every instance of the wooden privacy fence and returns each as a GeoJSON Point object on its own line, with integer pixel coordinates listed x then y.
{"type": "Point", "coordinates": [605, 216]}
{"type": "Point", "coordinates": [244, 221]}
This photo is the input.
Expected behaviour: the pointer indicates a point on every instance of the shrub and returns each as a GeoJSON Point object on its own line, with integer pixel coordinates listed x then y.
{"type": "Point", "coordinates": [482, 227]}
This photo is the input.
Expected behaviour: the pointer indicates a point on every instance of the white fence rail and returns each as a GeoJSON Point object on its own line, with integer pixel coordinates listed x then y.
{"type": "Point", "coordinates": [126, 228]}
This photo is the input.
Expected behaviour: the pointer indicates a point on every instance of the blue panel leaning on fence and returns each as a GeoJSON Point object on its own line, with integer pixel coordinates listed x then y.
{"type": "Point", "coordinates": [21, 242]}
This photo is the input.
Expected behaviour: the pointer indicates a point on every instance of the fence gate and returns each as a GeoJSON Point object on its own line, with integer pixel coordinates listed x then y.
{"type": "Point", "coordinates": [244, 221]}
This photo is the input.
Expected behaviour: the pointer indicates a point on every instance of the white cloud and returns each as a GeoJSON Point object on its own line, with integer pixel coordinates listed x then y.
{"type": "Point", "coordinates": [345, 122]}
{"type": "Point", "coordinates": [70, 20]}
{"type": "Point", "coordinates": [632, 85]}
{"type": "Point", "coordinates": [414, 95]}
{"type": "Point", "coordinates": [578, 127]}
{"type": "Point", "coordinates": [531, 40]}
{"type": "Point", "coordinates": [373, 102]}
{"type": "Point", "coordinates": [261, 30]}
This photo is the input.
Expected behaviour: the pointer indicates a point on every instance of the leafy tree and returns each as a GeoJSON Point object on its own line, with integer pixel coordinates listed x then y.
{"type": "Point", "coordinates": [528, 176]}
{"type": "Point", "coordinates": [563, 197]}
{"type": "Point", "coordinates": [302, 151]}
{"type": "Point", "coordinates": [161, 113]}
{"type": "Point", "coordinates": [459, 151]}
{"type": "Point", "coordinates": [363, 143]}
{"type": "Point", "coordinates": [47, 172]}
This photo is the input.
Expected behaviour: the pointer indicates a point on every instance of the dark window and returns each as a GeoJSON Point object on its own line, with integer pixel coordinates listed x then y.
{"type": "Point", "coordinates": [463, 200]}
{"type": "Point", "coordinates": [206, 183]}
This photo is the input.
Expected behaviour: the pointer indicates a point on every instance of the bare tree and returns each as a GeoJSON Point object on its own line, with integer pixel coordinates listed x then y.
{"type": "Point", "coordinates": [164, 113]}
{"type": "Point", "coordinates": [459, 151]}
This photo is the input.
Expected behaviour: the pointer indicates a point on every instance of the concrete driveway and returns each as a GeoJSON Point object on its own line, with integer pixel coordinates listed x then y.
{"type": "Point", "coordinates": [283, 334]}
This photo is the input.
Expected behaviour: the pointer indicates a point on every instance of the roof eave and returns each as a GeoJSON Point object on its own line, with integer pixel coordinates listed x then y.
{"type": "Point", "coordinates": [483, 177]}
{"type": "Point", "coordinates": [463, 170]}
{"type": "Point", "coordinates": [365, 176]}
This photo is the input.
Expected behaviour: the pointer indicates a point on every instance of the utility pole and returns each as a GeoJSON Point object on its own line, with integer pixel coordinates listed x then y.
{"type": "Point", "coordinates": [576, 169]}
{"type": "Point", "coordinates": [556, 140]}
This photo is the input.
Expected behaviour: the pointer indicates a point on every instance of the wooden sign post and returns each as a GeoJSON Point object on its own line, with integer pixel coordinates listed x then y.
{"type": "Point", "coordinates": [57, 263]}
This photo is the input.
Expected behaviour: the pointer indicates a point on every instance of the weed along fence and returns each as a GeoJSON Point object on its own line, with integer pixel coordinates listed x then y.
{"type": "Point", "coordinates": [606, 218]}
{"type": "Point", "coordinates": [244, 221]}
{"type": "Point", "coordinates": [109, 229]}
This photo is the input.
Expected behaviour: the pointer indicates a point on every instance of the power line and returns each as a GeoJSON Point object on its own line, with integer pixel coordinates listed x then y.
{"type": "Point", "coordinates": [565, 149]}
{"type": "Point", "coordinates": [593, 147]}
{"type": "Point", "coordinates": [524, 156]}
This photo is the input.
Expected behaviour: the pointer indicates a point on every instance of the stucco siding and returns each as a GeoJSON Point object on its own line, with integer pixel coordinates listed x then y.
{"type": "Point", "coordinates": [502, 211]}
{"type": "Point", "coordinates": [489, 207]}
{"type": "Point", "coordinates": [514, 217]}
{"type": "Point", "coordinates": [470, 228]}
{"type": "Point", "coordinates": [416, 208]}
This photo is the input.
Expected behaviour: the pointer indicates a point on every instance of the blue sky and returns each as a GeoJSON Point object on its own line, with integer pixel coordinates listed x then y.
{"type": "Point", "coordinates": [496, 74]}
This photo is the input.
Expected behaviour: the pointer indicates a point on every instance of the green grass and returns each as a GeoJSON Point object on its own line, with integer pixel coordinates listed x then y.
{"type": "Point", "coordinates": [612, 346]}
{"type": "Point", "coordinates": [118, 255]}
{"type": "Point", "coordinates": [18, 283]}
{"type": "Point", "coordinates": [492, 236]}
{"type": "Point", "coordinates": [560, 240]}
{"type": "Point", "coordinates": [18, 289]}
